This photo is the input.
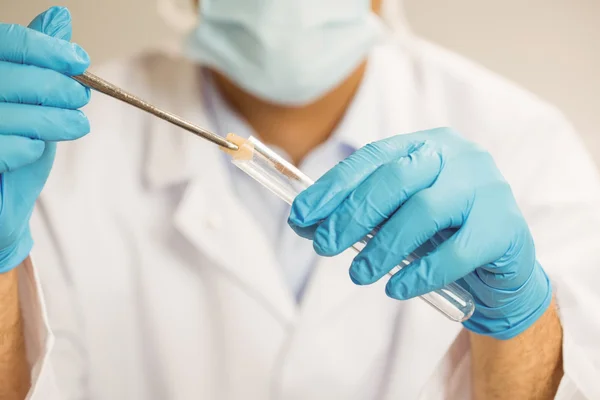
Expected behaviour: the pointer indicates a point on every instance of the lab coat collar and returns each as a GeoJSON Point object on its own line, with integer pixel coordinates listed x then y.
{"type": "Point", "coordinates": [210, 215]}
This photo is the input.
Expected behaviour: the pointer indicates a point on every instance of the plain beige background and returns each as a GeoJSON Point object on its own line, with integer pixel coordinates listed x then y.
{"type": "Point", "coordinates": [551, 47]}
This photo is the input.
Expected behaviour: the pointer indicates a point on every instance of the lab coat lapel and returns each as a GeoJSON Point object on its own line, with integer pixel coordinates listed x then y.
{"type": "Point", "coordinates": [214, 220]}
{"type": "Point", "coordinates": [209, 215]}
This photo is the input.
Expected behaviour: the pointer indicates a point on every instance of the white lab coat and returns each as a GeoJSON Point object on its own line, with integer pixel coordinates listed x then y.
{"type": "Point", "coordinates": [157, 284]}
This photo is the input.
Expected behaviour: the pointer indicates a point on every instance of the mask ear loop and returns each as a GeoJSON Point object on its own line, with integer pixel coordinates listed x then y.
{"type": "Point", "coordinates": [178, 18]}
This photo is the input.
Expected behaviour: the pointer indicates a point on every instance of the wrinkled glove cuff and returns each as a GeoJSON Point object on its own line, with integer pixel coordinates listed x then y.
{"type": "Point", "coordinates": [13, 256]}
{"type": "Point", "coordinates": [529, 303]}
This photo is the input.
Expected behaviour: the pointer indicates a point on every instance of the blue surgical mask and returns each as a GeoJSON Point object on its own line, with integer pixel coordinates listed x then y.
{"type": "Point", "coordinates": [288, 52]}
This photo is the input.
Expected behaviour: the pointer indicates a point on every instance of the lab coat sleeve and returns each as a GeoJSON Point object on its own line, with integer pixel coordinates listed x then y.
{"type": "Point", "coordinates": [38, 339]}
{"type": "Point", "coordinates": [562, 206]}
{"type": "Point", "coordinates": [53, 337]}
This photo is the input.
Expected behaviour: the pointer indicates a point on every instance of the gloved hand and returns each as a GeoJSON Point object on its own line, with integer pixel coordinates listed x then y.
{"type": "Point", "coordinates": [38, 107]}
{"type": "Point", "coordinates": [413, 186]}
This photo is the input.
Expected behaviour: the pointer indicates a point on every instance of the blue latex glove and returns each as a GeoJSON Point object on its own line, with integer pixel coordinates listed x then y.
{"type": "Point", "coordinates": [413, 186]}
{"type": "Point", "coordinates": [38, 107]}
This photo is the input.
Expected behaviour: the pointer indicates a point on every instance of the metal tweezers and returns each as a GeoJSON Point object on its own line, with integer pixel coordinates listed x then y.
{"type": "Point", "coordinates": [94, 82]}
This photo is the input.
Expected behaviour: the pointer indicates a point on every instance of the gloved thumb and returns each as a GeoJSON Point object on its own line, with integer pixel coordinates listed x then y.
{"type": "Point", "coordinates": [55, 22]}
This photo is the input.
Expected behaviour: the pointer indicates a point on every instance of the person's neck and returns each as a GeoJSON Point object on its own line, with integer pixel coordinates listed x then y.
{"type": "Point", "coordinates": [296, 130]}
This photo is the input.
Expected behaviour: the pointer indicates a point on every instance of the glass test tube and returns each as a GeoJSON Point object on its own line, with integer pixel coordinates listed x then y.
{"type": "Point", "coordinates": [287, 181]}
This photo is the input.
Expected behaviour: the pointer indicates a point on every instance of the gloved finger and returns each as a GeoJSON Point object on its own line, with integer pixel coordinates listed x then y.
{"type": "Point", "coordinates": [26, 46]}
{"type": "Point", "coordinates": [421, 217]}
{"type": "Point", "coordinates": [17, 151]}
{"type": "Point", "coordinates": [376, 199]}
{"type": "Point", "coordinates": [29, 84]}
{"type": "Point", "coordinates": [304, 232]}
{"type": "Point", "coordinates": [55, 22]}
{"type": "Point", "coordinates": [454, 259]}
{"type": "Point", "coordinates": [42, 123]}
{"type": "Point", "coordinates": [326, 194]}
